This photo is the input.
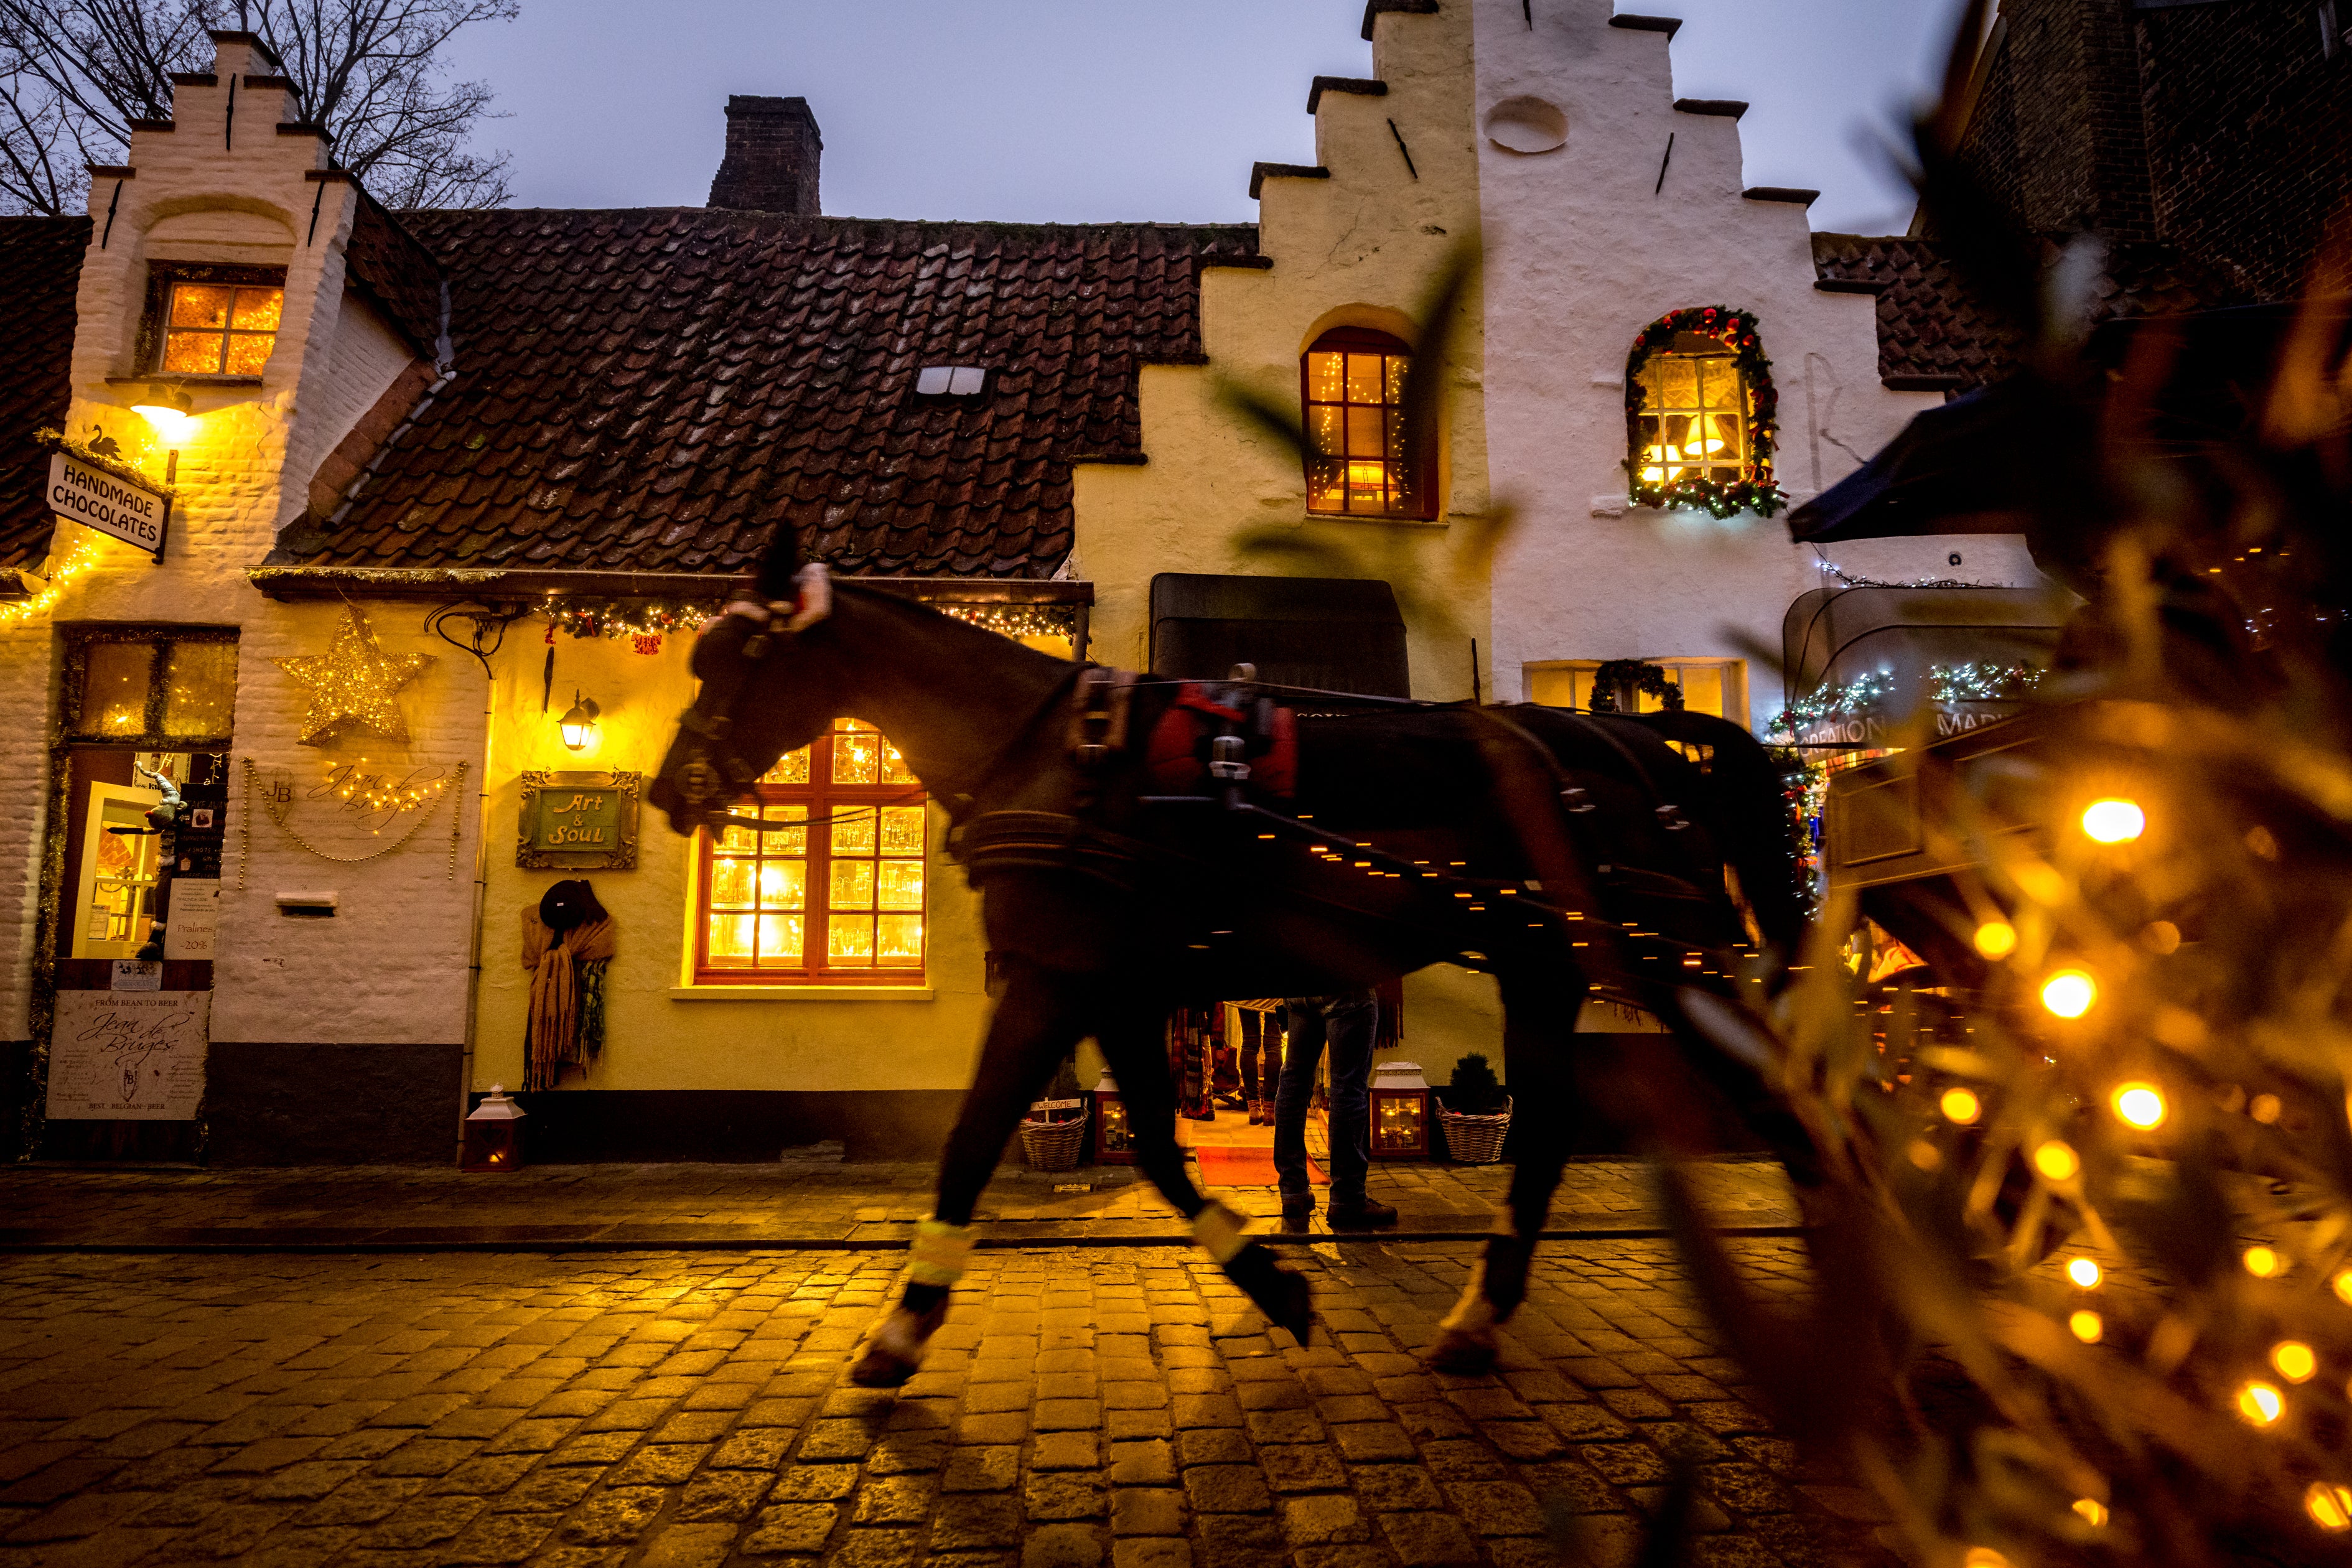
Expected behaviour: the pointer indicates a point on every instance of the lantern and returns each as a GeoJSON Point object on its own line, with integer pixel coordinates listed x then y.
{"type": "Point", "coordinates": [494, 1133]}
{"type": "Point", "coordinates": [579, 723]}
{"type": "Point", "coordinates": [1400, 1111]}
{"type": "Point", "coordinates": [1113, 1143]}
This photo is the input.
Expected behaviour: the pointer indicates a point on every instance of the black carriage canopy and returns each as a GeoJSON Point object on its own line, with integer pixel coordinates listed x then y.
{"type": "Point", "coordinates": [1327, 634]}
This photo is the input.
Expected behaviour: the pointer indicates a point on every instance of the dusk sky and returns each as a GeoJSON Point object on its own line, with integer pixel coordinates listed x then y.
{"type": "Point", "coordinates": [1073, 110]}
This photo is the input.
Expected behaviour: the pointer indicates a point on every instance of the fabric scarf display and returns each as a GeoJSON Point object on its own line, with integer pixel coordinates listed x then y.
{"type": "Point", "coordinates": [567, 941]}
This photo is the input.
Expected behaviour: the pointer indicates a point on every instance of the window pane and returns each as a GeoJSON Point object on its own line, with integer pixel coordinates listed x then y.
{"type": "Point", "coordinates": [114, 690]}
{"type": "Point", "coordinates": [200, 693]}
{"type": "Point", "coordinates": [1719, 380]}
{"type": "Point", "coordinates": [781, 940]}
{"type": "Point", "coordinates": [787, 840]}
{"type": "Point", "coordinates": [1396, 366]}
{"type": "Point", "coordinates": [902, 830]}
{"type": "Point", "coordinates": [738, 840]}
{"type": "Point", "coordinates": [730, 942]}
{"type": "Point", "coordinates": [901, 941]}
{"type": "Point", "coordinates": [852, 885]}
{"type": "Point", "coordinates": [1364, 378]}
{"type": "Point", "coordinates": [853, 833]}
{"type": "Point", "coordinates": [849, 942]}
{"type": "Point", "coordinates": [854, 758]}
{"type": "Point", "coordinates": [901, 885]}
{"type": "Point", "coordinates": [793, 767]}
{"type": "Point", "coordinates": [730, 884]}
{"type": "Point", "coordinates": [1367, 485]}
{"type": "Point", "coordinates": [1703, 688]}
{"type": "Point", "coordinates": [1327, 484]}
{"type": "Point", "coordinates": [1323, 377]}
{"type": "Point", "coordinates": [894, 765]}
{"type": "Point", "coordinates": [200, 305]}
{"type": "Point", "coordinates": [1323, 429]}
{"type": "Point", "coordinates": [1678, 383]}
{"type": "Point", "coordinates": [249, 351]}
{"type": "Point", "coordinates": [257, 309]}
{"type": "Point", "coordinates": [783, 885]}
{"type": "Point", "coordinates": [191, 353]}
{"type": "Point", "coordinates": [1366, 434]}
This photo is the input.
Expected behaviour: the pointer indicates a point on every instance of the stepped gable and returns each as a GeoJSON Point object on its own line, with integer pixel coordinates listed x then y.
{"type": "Point", "coordinates": [1934, 331]}
{"type": "Point", "coordinates": [656, 389]}
{"type": "Point", "coordinates": [40, 270]}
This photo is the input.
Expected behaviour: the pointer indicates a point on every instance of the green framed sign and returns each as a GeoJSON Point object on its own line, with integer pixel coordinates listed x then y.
{"type": "Point", "coordinates": [579, 821]}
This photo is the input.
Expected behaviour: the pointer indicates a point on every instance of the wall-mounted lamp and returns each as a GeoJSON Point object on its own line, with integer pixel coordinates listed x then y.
{"type": "Point", "coordinates": [172, 414]}
{"type": "Point", "coordinates": [579, 724]}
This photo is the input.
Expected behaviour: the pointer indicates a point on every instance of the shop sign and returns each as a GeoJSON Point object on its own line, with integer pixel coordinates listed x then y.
{"type": "Point", "coordinates": [579, 821]}
{"type": "Point", "coordinates": [128, 1055]}
{"type": "Point", "coordinates": [95, 498]}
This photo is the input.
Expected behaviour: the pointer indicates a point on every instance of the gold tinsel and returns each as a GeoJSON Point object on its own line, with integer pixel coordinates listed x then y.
{"type": "Point", "coordinates": [354, 683]}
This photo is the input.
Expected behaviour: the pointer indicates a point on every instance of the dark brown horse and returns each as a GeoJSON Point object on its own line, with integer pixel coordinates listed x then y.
{"type": "Point", "coordinates": [1559, 852]}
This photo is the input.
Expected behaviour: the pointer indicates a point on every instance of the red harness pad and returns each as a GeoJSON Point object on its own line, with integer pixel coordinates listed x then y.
{"type": "Point", "coordinates": [1173, 752]}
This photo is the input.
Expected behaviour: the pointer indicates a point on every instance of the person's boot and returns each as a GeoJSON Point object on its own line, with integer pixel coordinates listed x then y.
{"type": "Point", "coordinates": [1365, 1214]}
{"type": "Point", "coordinates": [895, 1349]}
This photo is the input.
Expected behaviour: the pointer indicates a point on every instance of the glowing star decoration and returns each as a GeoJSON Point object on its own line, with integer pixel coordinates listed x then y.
{"type": "Point", "coordinates": [353, 684]}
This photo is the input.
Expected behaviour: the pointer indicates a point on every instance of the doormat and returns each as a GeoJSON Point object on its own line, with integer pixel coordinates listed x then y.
{"type": "Point", "coordinates": [1224, 1166]}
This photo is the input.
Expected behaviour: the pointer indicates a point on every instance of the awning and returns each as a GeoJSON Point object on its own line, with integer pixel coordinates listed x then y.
{"type": "Point", "coordinates": [1330, 634]}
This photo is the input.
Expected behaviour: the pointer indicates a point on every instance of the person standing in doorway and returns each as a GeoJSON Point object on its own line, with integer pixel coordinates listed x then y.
{"type": "Point", "coordinates": [1349, 1024]}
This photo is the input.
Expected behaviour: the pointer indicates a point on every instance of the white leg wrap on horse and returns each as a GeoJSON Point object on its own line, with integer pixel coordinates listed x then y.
{"type": "Point", "coordinates": [1474, 1314]}
{"type": "Point", "coordinates": [939, 1252]}
{"type": "Point", "coordinates": [1218, 1229]}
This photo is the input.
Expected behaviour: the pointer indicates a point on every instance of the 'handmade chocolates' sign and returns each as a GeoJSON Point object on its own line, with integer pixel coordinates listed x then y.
{"type": "Point", "coordinates": [579, 821]}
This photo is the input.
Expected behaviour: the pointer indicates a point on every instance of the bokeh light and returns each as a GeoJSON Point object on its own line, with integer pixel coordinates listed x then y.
{"type": "Point", "coordinates": [2086, 1327]}
{"type": "Point", "coordinates": [2114, 821]}
{"type": "Point", "coordinates": [2344, 1287]}
{"type": "Point", "coordinates": [2069, 993]}
{"type": "Point", "coordinates": [1961, 1106]}
{"type": "Point", "coordinates": [2261, 1403]}
{"type": "Point", "coordinates": [2083, 1272]}
{"type": "Point", "coordinates": [1996, 940]}
{"type": "Point", "coordinates": [2294, 1360]}
{"type": "Point", "coordinates": [2139, 1105]}
{"type": "Point", "coordinates": [2094, 1511]}
{"type": "Point", "coordinates": [2057, 1162]}
{"type": "Point", "coordinates": [2261, 1262]}
{"type": "Point", "coordinates": [2329, 1503]}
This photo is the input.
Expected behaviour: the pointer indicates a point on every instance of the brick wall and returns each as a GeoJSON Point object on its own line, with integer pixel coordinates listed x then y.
{"type": "Point", "coordinates": [2247, 129]}
{"type": "Point", "coordinates": [2058, 128]}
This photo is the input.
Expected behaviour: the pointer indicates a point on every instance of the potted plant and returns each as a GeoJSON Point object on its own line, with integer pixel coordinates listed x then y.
{"type": "Point", "coordinates": [1474, 1113]}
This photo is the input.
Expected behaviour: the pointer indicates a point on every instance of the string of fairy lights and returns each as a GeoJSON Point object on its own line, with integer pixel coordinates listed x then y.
{"type": "Point", "coordinates": [645, 623]}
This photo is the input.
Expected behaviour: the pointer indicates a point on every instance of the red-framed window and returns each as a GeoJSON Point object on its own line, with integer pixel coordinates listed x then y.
{"type": "Point", "coordinates": [835, 900]}
{"type": "Point", "coordinates": [1362, 458]}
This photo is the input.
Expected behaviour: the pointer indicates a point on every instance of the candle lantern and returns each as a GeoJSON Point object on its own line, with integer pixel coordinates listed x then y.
{"type": "Point", "coordinates": [1400, 1111]}
{"type": "Point", "coordinates": [1113, 1143]}
{"type": "Point", "coordinates": [494, 1133]}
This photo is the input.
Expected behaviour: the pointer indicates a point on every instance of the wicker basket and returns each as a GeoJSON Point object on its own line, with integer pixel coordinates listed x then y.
{"type": "Point", "coordinates": [1051, 1145]}
{"type": "Point", "coordinates": [1474, 1139]}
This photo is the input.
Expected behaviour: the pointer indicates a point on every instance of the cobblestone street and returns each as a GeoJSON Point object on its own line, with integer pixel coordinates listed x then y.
{"type": "Point", "coordinates": [1113, 1405]}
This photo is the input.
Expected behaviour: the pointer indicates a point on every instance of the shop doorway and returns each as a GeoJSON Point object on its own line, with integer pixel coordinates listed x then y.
{"type": "Point", "coordinates": [138, 817]}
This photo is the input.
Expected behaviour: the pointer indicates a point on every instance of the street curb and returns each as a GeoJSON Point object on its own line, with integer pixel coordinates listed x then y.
{"type": "Point", "coordinates": [228, 1241]}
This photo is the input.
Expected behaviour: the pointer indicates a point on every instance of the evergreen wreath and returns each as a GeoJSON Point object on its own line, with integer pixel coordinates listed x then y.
{"type": "Point", "coordinates": [1754, 490]}
{"type": "Point", "coordinates": [1650, 679]}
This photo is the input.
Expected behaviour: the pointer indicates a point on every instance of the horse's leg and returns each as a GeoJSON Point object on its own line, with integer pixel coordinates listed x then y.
{"type": "Point", "coordinates": [1539, 1028]}
{"type": "Point", "coordinates": [1035, 1027]}
{"type": "Point", "coordinates": [1131, 1041]}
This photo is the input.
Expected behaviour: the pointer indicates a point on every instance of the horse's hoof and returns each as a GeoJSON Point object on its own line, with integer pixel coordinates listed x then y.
{"type": "Point", "coordinates": [894, 1353]}
{"type": "Point", "coordinates": [1465, 1352]}
{"type": "Point", "coordinates": [1282, 1296]}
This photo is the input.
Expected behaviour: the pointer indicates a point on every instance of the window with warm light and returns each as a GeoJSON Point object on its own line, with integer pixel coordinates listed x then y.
{"type": "Point", "coordinates": [1717, 685]}
{"type": "Point", "coordinates": [835, 897]}
{"type": "Point", "coordinates": [1362, 459]}
{"type": "Point", "coordinates": [220, 328]}
{"type": "Point", "coordinates": [1694, 420]}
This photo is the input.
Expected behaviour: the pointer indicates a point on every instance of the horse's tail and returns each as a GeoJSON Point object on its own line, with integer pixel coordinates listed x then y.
{"type": "Point", "coordinates": [1747, 808]}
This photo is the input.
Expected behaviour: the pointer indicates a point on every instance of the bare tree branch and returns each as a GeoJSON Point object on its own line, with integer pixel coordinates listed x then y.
{"type": "Point", "coordinates": [75, 73]}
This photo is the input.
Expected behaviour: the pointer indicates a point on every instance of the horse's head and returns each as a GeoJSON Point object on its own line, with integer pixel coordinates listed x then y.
{"type": "Point", "coordinates": [770, 684]}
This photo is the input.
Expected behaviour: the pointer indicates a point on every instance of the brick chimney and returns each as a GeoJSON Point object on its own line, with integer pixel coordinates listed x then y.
{"type": "Point", "coordinates": [772, 149]}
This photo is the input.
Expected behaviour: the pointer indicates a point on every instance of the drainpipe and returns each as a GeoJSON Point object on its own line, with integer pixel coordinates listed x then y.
{"type": "Point", "coordinates": [481, 899]}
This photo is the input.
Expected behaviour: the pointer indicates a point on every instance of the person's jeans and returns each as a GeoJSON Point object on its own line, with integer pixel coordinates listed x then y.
{"type": "Point", "coordinates": [1260, 1032]}
{"type": "Point", "coordinates": [1349, 1023]}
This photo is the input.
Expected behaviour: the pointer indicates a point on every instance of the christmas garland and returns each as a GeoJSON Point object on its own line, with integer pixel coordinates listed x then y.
{"type": "Point", "coordinates": [1753, 491]}
{"type": "Point", "coordinates": [1650, 679]}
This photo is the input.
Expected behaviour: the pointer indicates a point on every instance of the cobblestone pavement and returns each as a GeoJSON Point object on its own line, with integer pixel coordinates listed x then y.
{"type": "Point", "coordinates": [791, 1202]}
{"type": "Point", "coordinates": [1115, 1406]}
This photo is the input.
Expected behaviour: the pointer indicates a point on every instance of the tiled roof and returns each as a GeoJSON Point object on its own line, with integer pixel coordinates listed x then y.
{"type": "Point", "coordinates": [1932, 331]}
{"type": "Point", "coordinates": [390, 263]}
{"type": "Point", "coordinates": [40, 268]}
{"type": "Point", "coordinates": [654, 389]}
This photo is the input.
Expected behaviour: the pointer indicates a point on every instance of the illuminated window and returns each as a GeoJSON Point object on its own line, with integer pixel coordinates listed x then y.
{"type": "Point", "coordinates": [1699, 410]}
{"type": "Point", "coordinates": [1717, 685]}
{"type": "Point", "coordinates": [1361, 461]}
{"type": "Point", "coordinates": [835, 900]}
{"type": "Point", "coordinates": [221, 328]}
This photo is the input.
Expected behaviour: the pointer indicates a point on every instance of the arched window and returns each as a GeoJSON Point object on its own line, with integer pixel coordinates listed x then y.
{"type": "Point", "coordinates": [1361, 461]}
{"type": "Point", "coordinates": [1699, 409]}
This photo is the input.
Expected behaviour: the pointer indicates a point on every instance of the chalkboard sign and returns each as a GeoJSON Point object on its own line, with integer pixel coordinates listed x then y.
{"type": "Point", "coordinates": [579, 821]}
